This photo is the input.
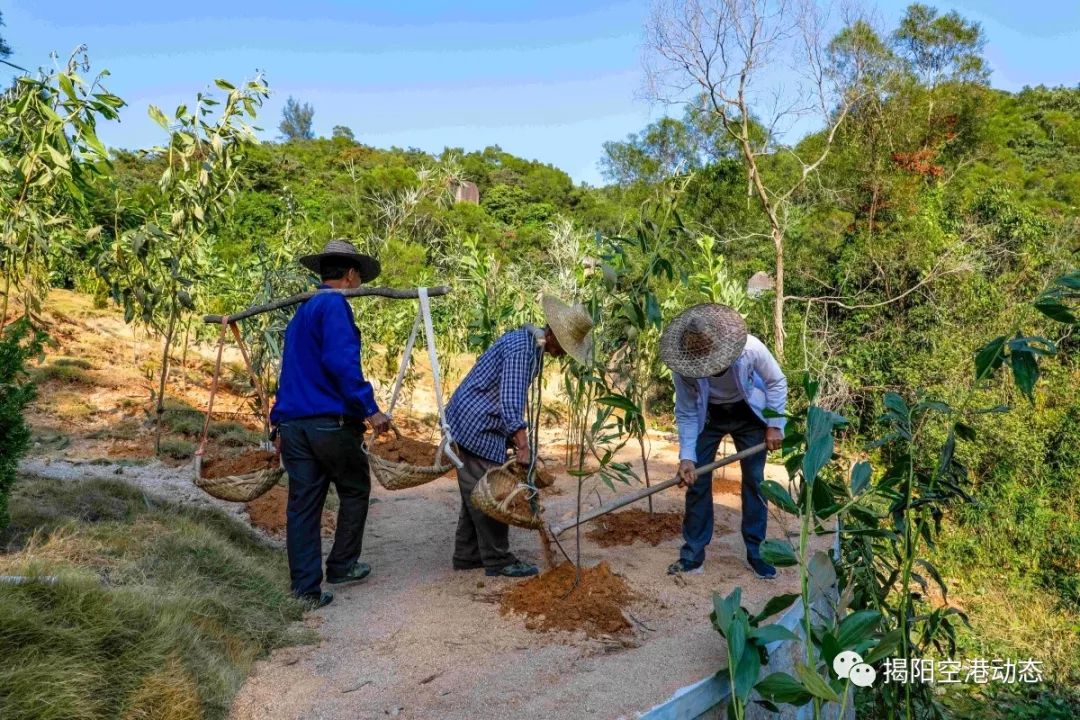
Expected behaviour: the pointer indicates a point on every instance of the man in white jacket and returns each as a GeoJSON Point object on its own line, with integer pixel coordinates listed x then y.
{"type": "Point", "coordinates": [724, 381]}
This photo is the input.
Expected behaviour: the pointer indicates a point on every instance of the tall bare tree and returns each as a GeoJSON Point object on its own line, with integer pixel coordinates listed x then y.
{"type": "Point", "coordinates": [760, 68]}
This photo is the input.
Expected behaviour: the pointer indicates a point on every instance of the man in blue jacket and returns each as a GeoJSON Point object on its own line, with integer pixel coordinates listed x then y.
{"type": "Point", "coordinates": [724, 381]}
{"type": "Point", "coordinates": [322, 403]}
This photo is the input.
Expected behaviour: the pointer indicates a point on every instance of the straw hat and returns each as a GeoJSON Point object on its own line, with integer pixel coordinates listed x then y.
{"type": "Point", "coordinates": [703, 340]}
{"type": "Point", "coordinates": [572, 327]}
{"type": "Point", "coordinates": [368, 266]}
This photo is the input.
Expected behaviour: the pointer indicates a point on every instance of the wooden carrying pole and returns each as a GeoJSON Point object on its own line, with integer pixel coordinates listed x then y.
{"type": "Point", "coordinates": [633, 497]}
{"type": "Point", "coordinates": [394, 293]}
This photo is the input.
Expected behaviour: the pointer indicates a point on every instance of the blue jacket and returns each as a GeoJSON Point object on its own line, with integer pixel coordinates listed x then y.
{"type": "Point", "coordinates": [320, 366]}
{"type": "Point", "coordinates": [761, 383]}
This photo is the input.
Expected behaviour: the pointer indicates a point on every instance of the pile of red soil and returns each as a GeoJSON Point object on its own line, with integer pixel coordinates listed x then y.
{"type": "Point", "coordinates": [624, 528]}
{"type": "Point", "coordinates": [239, 464]}
{"type": "Point", "coordinates": [405, 450]}
{"type": "Point", "coordinates": [267, 512]}
{"type": "Point", "coordinates": [551, 602]}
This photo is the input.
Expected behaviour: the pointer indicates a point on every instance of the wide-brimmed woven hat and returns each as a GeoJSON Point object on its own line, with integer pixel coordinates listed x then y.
{"type": "Point", "coordinates": [368, 266]}
{"type": "Point", "coordinates": [572, 327]}
{"type": "Point", "coordinates": [703, 340]}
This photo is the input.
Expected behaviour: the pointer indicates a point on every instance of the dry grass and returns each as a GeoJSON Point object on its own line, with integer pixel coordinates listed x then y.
{"type": "Point", "coordinates": [159, 611]}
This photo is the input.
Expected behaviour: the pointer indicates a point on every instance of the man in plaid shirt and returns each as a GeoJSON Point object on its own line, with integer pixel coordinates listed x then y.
{"type": "Point", "coordinates": [486, 416]}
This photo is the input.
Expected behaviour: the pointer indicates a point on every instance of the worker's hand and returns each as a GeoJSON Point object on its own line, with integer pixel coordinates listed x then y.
{"type": "Point", "coordinates": [687, 473]}
{"type": "Point", "coordinates": [277, 443]}
{"type": "Point", "coordinates": [774, 439]}
{"type": "Point", "coordinates": [522, 455]}
{"type": "Point", "coordinates": [379, 422]}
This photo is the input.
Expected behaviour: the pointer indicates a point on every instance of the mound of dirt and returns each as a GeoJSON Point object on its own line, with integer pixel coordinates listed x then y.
{"type": "Point", "coordinates": [405, 450]}
{"type": "Point", "coordinates": [623, 528]}
{"type": "Point", "coordinates": [239, 464]}
{"type": "Point", "coordinates": [550, 601]}
{"type": "Point", "coordinates": [267, 512]}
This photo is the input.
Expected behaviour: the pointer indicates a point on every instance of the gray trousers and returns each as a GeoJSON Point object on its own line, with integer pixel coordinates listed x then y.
{"type": "Point", "coordinates": [480, 540]}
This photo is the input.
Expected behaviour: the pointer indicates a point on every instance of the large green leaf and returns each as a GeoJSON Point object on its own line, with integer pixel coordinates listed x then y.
{"type": "Point", "coordinates": [857, 627]}
{"type": "Point", "coordinates": [776, 493]}
{"type": "Point", "coordinates": [1025, 368]}
{"type": "Point", "coordinates": [819, 441]}
{"type": "Point", "coordinates": [989, 357]}
{"type": "Point", "coordinates": [746, 673]}
{"type": "Point", "coordinates": [783, 688]}
{"type": "Point", "coordinates": [772, 633]}
{"type": "Point", "coordinates": [778, 553]}
{"type": "Point", "coordinates": [860, 476]}
{"type": "Point", "coordinates": [776, 604]}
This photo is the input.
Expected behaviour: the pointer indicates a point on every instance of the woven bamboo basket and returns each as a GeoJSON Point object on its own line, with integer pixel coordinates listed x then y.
{"type": "Point", "coordinates": [238, 488]}
{"type": "Point", "coordinates": [495, 496]}
{"type": "Point", "coordinates": [399, 475]}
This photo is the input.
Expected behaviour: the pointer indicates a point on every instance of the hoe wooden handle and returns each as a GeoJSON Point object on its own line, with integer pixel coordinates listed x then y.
{"type": "Point", "coordinates": [633, 497]}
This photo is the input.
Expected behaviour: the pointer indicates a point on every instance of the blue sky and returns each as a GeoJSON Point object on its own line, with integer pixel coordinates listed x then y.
{"type": "Point", "coordinates": [547, 80]}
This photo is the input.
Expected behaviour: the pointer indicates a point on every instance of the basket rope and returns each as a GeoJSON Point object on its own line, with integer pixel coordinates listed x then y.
{"type": "Point", "coordinates": [397, 475]}
{"type": "Point", "coordinates": [233, 488]}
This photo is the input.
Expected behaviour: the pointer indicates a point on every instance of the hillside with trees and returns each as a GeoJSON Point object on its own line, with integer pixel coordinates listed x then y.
{"type": "Point", "coordinates": [919, 252]}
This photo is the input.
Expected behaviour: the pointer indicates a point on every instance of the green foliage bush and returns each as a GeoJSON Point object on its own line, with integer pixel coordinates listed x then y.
{"type": "Point", "coordinates": [18, 343]}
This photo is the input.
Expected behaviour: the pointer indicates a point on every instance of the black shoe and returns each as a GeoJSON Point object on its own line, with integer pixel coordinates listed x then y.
{"type": "Point", "coordinates": [762, 569]}
{"type": "Point", "coordinates": [514, 569]}
{"type": "Point", "coordinates": [315, 600]}
{"type": "Point", "coordinates": [681, 567]}
{"type": "Point", "coordinates": [358, 571]}
{"type": "Point", "coordinates": [476, 565]}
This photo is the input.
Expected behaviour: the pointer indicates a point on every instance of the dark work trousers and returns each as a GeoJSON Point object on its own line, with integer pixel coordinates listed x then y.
{"type": "Point", "coordinates": [746, 430]}
{"type": "Point", "coordinates": [315, 452]}
{"type": "Point", "coordinates": [480, 539]}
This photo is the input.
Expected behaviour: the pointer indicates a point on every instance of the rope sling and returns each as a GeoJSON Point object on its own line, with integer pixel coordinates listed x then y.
{"type": "Point", "coordinates": [243, 487]}
{"type": "Point", "coordinates": [496, 492]}
{"type": "Point", "coordinates": [399, 475]}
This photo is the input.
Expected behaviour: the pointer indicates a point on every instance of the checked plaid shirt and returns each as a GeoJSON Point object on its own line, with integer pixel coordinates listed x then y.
{"type": "Point", "coordinates": [489, 405]}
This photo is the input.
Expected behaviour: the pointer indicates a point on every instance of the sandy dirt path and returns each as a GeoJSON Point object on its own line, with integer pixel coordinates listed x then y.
{"type": "Point", "coordinates": [419, 640]}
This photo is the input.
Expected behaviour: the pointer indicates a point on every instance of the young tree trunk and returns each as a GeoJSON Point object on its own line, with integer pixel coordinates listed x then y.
{"type": "Point", "coordinates": [160, 409]}
{"type": "Point", "coordinates": [778, 300]}
{"type": "Point", "coordinates": [183, 354]}
{"type": "Point", "coordinates": [645, 468]}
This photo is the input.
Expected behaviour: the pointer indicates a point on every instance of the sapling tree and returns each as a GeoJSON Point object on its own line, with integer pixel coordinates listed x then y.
{"type": "Point", "coordinates": [49, 155]}
{"type": "Point", "coordinates": [756, 67]}
{"type": "Point", "coordinates": [155, 271]}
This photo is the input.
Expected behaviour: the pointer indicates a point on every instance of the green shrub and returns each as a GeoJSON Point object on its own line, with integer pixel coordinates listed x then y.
{"type": "Point", "coordinates": [17, 343]}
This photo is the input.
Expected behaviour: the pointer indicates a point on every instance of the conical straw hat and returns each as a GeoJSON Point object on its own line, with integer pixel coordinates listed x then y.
{"type": "Point", "coordinates": [572, 327]}
{"type": "Point", "coordinates": [703, 340]}
{"type": "Point", "coordinates": [338, 249]}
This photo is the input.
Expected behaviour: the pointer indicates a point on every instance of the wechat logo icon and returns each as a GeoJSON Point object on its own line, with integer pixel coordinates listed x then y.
{"type": "Point", "coordinates": [849, 665]}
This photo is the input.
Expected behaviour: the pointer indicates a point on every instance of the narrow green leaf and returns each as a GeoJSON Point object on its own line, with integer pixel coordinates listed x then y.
{"type": "Point", "coordinates": [815, 684]}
